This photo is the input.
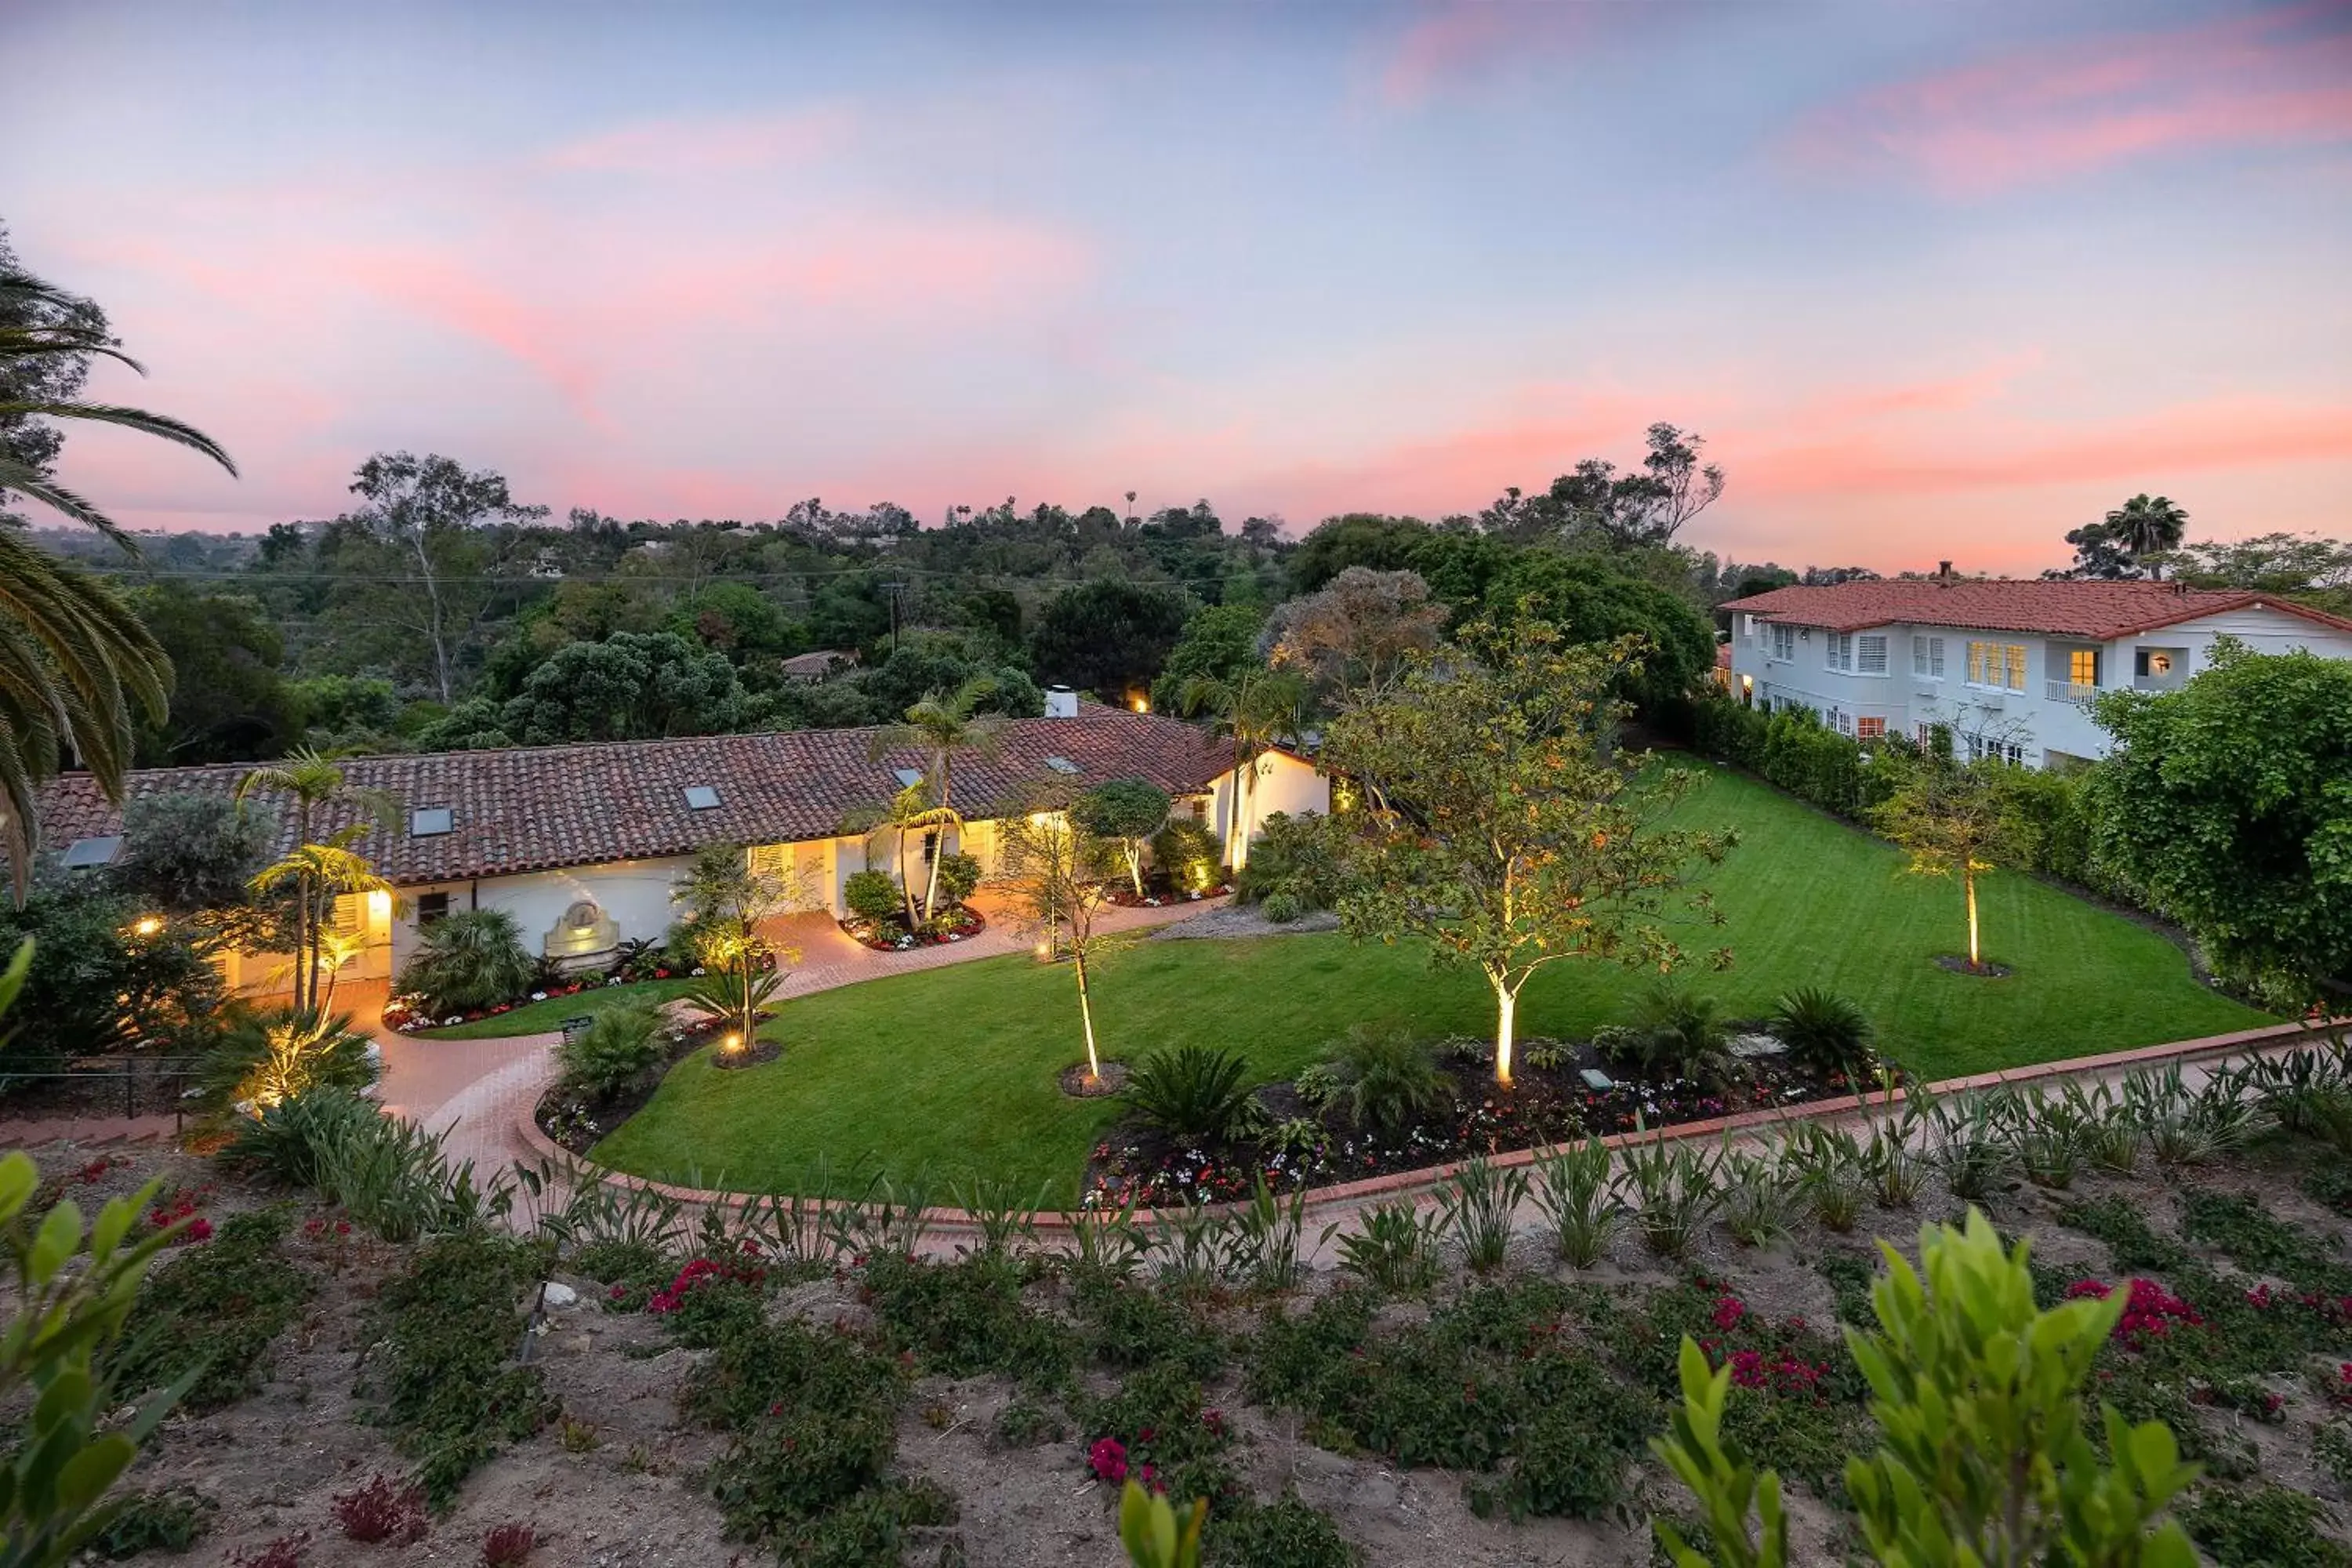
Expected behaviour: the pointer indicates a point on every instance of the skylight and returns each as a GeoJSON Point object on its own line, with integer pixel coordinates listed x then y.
{"type": "Point", "coordinates": [700, 797]}
{"type": "Point", "coordinates": [1061, 764]}
{"type": "Point", "coordinates": [430, 821]}
{"type": "Point", "coordinates": [907, 777]}
{"type": "Point", "coordinates": [83, 854]}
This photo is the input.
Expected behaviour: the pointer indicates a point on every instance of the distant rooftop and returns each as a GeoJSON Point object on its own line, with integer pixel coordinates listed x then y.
{"type": "Point", "coordinates": [2093, 611]}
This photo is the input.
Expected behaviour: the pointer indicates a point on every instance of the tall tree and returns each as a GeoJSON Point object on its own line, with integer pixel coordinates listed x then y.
{"type": "Point", "coordinates": [2231, 802]}
{"type": "Point", "coordinates": [1499, 824]}
{"type": "Point", "coordinates": [1594, 504]}
{"type": "Point", "coordinates": [941, 726]}
{"type": "Point", "coordinates": [1220, 641]}
{"type": "Point", "coordinates": [74, 662]}
{"type": "Point", "coordinates": [1258, 710]}
{"type": "Point", "coordinates": [428, 513]}
{"type": "Point", "coordinates": [1357, 631]}
{"type": "Point", "coordinates": [318, 868]}
{"type": "Point", "coordinates": [230, 702]}
{"type": "Point", "coordinates": [1108, 636]}
{"type": "Point", "coordinates": [2148, 525]}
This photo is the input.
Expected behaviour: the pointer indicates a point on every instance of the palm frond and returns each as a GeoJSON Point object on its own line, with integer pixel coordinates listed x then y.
{"type": "Point", "coordinates": [158, 425]}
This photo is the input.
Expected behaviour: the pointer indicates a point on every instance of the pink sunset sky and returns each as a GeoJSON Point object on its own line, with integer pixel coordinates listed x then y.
{"type": "Point", "coordinates": [1935, 281]}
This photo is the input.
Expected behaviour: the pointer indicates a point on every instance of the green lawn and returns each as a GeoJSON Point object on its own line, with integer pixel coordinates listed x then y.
{"type": "Point", "coordinates": [536, 1017]}
{"type": "Point", "coordinates": [954, 1068]}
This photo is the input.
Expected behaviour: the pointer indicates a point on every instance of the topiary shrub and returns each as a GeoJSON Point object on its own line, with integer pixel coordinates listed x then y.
{"type": "Point", "coordinates": [467, 959]}
{"type": "Point", "coordinates": [621, 1043]}
{"type": "Point", "coordinates": [874, 895]}
{"type": "Point", "coordinates": [1825, 1033]}
{"type": "Point", "coordinates": [1194, 1092]}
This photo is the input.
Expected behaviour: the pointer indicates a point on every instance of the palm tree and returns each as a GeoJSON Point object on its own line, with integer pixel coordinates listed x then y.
{"type": "Point", "coordinates": [318, 870]}
{"type": "Point", "coordinates": [942, 724]}
{"type": "Point", "coordinates": [72, 657]}
{"type": "Point", "coordinates": [1257, 709]}
{"type": "Point", "coordinates": [2148, 525]}
{"type": "Point", "coordinates": [909, 812]}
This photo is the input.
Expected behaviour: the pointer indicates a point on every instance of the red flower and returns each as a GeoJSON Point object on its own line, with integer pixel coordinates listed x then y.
{"type": "Point", "coordinates": [1109, 1458]}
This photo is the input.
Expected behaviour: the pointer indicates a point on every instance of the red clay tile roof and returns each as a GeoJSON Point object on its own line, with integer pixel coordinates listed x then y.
{"type": "Point", "coordinates": [536, 807]}
{"type": "Point", "coordinates": [2096, 612]}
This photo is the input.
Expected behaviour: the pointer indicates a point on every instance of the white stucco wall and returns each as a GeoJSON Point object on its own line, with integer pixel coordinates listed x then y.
{"type": "Point", "coordinates": [2033, 718]}
{"type": "Point", "coordinates": [1284, 783]}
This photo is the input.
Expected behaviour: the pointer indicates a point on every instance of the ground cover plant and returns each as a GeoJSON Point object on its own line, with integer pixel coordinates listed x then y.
{"type": "Point", "coordinates": [212, 1312]}
{"type": "Point", "coordinates": [865, 1078]}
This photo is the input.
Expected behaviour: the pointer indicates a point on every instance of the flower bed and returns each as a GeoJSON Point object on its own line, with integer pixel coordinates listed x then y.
{"type": "Point", "coordinates": [1157, 895]}
{"type": "Point", "coordinates": [956, 922]}
{"type": "Point", "coordinates": [1548, 1103]}
{"type": "Point", "coordinates": [408, 1012]}
{"type": "Point", "coordinates": [577, 1121]}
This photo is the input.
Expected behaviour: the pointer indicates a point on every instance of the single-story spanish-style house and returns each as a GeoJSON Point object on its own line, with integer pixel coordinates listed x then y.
{"type": "Point", "coordinates": [584, 844]}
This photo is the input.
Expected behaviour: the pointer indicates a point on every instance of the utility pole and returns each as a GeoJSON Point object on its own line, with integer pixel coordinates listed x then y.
{"type": "Point", "coordinates": [894, 590]}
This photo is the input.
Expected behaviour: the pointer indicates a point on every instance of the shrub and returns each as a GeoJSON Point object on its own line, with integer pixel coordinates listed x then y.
{"type": "Point", "coordinates": [468, 959]}
{"type": "Point", "coordinates": [619, 1044]}
{"type": "Point", "coordinates": [1397, 1249]}
{"type": "Point", "coordinates": [1300, 857]}
{"type": "Point", "coordinates": [508, 1545]}
{"type": "Point", "coordinates": [1281, 907]}
{"type": "Point", "coordinates": [1976, 1394]}
{"type": "Point", "coordinates": [874, 895]}
{"type": "Point", "coordinates": [1188, 852]}
{"type": "Point", "coordinates": [389, 1171]}
{"type": "Point", "coordinates": [260, 1059]}
{"type": "Point", "coordinates": [1194, 1092]}
{"type": "Point", "coordinates": [2260, 1527]}
{"type": "Point", "coordinates": [1674, 1034]}
{"type": "Point", "coordinates": [1285, 1531]}
{"type": "Point", "coordinates": [172, 1519]}
{"type": "Point", "coordinates": [959, 877]}
{"type": "Point", "coordinates": [378, 1511]}
{"type": "Point", "coordinates": [1386, 1077]}
{"type": "Point", "coordinates": [214, 1312]}
{"type": "Point", "coordinates": [1825, 1033]}
{"type": "Point", "coordinates": [442, 1376]}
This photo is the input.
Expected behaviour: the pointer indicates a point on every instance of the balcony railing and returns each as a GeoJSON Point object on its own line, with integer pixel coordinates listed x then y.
{"type": "Point", "coordinates": [2080, 693]}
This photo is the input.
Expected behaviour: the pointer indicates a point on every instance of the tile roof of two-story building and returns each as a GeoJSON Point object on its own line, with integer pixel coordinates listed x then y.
{"type": "Point", "coordinates": [2092, 611]}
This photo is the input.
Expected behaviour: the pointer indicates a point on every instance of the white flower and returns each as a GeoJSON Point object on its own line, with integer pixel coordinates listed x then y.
{"type": "Point", "coordinates": [539, 995]}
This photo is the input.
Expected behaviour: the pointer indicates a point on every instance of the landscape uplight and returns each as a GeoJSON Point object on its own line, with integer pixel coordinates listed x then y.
{"type": "Point", "coordinates": [147, 925]}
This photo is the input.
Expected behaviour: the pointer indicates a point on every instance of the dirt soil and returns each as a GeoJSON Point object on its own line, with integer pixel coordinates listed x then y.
{"type": "Point", "coordinates": [616, 1483]}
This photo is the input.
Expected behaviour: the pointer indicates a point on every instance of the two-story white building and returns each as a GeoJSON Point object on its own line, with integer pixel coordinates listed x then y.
{"type": "Point", "coordinates": [2012, 667]}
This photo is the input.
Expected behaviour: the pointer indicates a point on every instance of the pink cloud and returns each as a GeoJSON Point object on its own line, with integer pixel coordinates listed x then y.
{"type": "Point", "coordinates": [704, 146]}
{"type": "Point", "coordinates": [1456, 41]}
{"type": "Point", "coordinates": [2281, 76]}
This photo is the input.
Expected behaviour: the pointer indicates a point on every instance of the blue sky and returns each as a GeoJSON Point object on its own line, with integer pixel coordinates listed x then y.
{"type": "Point", "coordinates": [1935, 281]}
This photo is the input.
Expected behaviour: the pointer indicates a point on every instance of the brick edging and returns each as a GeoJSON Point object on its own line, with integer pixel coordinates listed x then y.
{"type": "Point", "coordinates": [1428, 1176]}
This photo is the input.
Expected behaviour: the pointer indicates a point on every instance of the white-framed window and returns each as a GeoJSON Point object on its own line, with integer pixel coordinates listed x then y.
{"type": "Point", "coordinates": [1870, 729]}
{"type": "Point", "coordinates": [1923, 732]}
{"type": "Point", "coordinates": [1927, 657]}
{"type": "Point", "coordinates": [1869, 653]}
{"type": "Point", "coordinates": [1784, 642]}
{"type": "Point", "coordinates": [1997, 664]}
{"type": "Point", "coordinates": [1841, 720]}
{"type": "Point", "coordinates": [1839, 651]}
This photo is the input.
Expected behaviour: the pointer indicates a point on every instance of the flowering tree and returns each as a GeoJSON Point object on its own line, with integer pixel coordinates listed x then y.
{"type": "Point", "coordinates": [1500, 824]}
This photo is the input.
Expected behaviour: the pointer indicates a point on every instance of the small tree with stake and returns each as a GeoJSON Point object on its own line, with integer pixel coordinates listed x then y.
{"type": "Point", "coordinates": [1954, 819]}
{"type": "Point", "coordinates": [1053, 866]}
{"type": "Point", "coordinates": [1501, 825]}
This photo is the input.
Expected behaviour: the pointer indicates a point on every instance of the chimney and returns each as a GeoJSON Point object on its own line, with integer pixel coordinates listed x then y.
{"type": "Point", "coordinates": [1061, 702]}
{"type": "Point", "coordinates": [1943, 573]}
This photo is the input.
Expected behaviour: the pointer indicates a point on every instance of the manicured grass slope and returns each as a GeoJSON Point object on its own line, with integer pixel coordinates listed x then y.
{"type": "Point", "coordinates": [954, 1068]}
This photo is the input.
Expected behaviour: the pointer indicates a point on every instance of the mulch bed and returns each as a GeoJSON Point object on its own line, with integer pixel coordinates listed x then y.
{"type": "Point", "coordinates": [1157, 896]}
{"type": "Point", "coordinates": [1545, 1105]}
{"type": "Point", "coordinates": [1079, 1085]}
